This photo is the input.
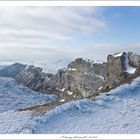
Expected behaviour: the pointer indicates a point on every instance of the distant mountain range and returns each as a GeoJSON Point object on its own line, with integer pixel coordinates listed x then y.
{"type": "Point", "coordinates": [49, 67]}
{"type": "Point", "coordinates": [53, 66]}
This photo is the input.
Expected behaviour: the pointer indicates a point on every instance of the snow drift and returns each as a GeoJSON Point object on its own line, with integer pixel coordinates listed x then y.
{"type": "Point", "coordinates": [114, 112]}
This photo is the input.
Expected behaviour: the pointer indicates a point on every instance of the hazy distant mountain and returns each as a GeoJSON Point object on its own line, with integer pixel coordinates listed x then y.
{"type": "Point", "coordinates": [52, 66]}
{"type": "Point", "coordinates": [2, 66]}
{"type": "Point", "coordinates": [12, 70]}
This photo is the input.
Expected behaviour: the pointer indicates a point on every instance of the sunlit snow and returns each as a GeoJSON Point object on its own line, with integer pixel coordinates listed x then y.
{"type": "Point", "coordinates": [114, 112]}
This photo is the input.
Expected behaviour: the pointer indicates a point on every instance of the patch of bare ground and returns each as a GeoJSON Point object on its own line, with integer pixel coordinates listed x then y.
{"type": "Point", "coordinates": [41, 109]}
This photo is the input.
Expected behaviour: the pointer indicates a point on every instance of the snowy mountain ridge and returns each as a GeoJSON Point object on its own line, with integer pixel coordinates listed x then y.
{"type": "Point", "coordinates": [93, 97]}
{"type": "Point", "coordinates": [82, 77]}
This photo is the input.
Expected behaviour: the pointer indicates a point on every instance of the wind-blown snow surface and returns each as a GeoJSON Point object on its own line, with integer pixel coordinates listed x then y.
{"type": "Point", "coordinates": [117, 111]}
{"type": "Point", "coordinates": [14, 96]}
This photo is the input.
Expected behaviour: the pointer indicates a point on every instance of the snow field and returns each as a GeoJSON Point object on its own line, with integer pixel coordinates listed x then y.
{"type": "Point", "coordinates": [114, 112]}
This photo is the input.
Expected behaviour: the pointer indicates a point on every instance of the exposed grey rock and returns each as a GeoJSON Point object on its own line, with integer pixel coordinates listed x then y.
{"type": "Point", "coordinates": [35, 79]}
{"type": "Point", "coordinates": [82, 77]}
{"type": "Point", "coordinates": [12, 70]}
{"type": "Point", "coordinates": [134, 59]}
{"type": "Point", "coordinates": [31, 77]}
{"type": "Point", "coordinates": [116, 67]}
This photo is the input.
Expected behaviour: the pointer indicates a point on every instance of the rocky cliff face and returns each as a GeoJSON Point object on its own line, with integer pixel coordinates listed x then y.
{"type": "Point", "coordinates": [82, 77]}
{"type": "Point", "coordinates": [116, 67]}
{"type": "Point", "coordinates": [33, 77]}
{"type": "Point", "coordinates": [134, 59]}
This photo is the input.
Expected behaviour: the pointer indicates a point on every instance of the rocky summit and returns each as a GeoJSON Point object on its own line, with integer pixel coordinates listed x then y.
{"type": "Point", "coordinates": [82, 77]}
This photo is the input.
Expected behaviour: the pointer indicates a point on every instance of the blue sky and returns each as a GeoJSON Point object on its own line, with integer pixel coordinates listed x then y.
{"type": "Point", "coordinates": [123, 23]}
{"type": "Point", "coordinates": [122, 26]}
{"type": "Point", "coordinates": [44, 34]}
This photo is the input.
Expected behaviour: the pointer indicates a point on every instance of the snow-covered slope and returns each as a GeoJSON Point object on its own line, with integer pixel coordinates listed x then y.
{"type": "Point", "coordinates": [14, 96]}
{"type": "Point", "coordinates": [117, 111]}
{"type": "Point", "coordinates": [12, 122]}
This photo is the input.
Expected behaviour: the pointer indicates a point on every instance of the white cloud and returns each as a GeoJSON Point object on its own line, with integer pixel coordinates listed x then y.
{"type": "Point", "coordinates": [102, 50]}
{"type": "Point", "coordinates": [44, 31]}
{"type": "Point", "coordinates": [51, 22]}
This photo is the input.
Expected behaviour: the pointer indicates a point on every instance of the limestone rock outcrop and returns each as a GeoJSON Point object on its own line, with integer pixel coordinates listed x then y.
{"type": "Point", "coordinates": [134, 59]}
{"type": "Point", "coordinates": [32, 77]}
{"type": "Point", "coordinates": [82, 78]}
{"type": "Point", "coordinates": [116, 66]}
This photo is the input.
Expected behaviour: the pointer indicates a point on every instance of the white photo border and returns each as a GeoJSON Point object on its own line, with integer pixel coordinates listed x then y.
{"type": "Point", "coordinates": [69, 136]}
